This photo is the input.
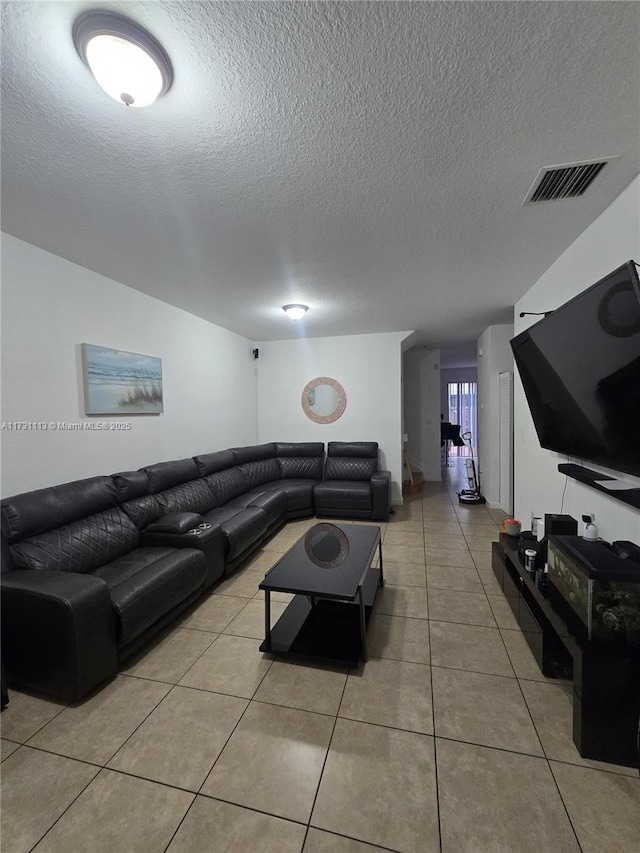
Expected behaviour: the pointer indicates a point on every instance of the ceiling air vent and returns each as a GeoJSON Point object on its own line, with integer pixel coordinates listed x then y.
{"type": "Point", "coordinates": [574, 179]}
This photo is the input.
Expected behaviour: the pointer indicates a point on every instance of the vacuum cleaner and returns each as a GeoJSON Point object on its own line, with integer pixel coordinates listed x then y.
{"type": "Point", "coordinates": [472, 495]}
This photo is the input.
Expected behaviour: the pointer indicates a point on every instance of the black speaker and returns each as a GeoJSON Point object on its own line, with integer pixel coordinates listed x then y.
{"type": "Point", "coordinates": [560, 525]}
{"type": "Point", "coordinates": [256, 352]}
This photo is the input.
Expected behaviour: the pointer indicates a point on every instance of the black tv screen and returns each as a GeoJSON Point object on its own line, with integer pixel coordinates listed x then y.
{"type": "Point", "coordinates": [580, 369]}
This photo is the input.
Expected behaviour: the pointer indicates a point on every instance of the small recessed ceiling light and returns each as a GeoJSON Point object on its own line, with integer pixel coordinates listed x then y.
{"type": "Point", "coordinates": [295, 312]}
{"type": "Point", "coordinates": [127, 62]}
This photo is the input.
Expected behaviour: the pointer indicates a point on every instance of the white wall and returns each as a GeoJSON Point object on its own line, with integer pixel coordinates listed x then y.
{"type": "Point", "coordinates": [610, 241]}
{"type": "Point", "coordinates": [51, 306]}
{"type": "Point", "coordinates": [494, 358]}
{"type": "Point", "coordinates": [369, 369]}
{"type": "Point", "coordinates": [422, 411]}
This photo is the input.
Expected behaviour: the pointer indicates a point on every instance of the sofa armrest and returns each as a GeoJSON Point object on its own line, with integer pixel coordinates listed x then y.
{"type": "Point", "coordinates": [205, 537]}
{"type": "Point", "coordinates": [175, 522]}
{"type": "Point", "coordinates": [58, 632]}
{"type": "Point", "coordinates": [381, 496]}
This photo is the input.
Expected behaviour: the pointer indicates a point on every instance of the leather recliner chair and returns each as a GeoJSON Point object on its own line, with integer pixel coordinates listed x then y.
{"type": "Point", "coordinates": [353, 487]}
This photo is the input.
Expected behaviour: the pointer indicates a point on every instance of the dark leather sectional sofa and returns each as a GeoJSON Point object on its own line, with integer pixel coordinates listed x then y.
{"type": "Point", "coordinates": [92, 569]}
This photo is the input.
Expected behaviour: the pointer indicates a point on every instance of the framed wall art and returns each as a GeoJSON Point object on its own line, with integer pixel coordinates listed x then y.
{"type": "Point", "coordinates": [121, 383]}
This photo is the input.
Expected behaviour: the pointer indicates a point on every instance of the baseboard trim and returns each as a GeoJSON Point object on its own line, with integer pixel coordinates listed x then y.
{"type": "Point", "coordinates": [494, 505]}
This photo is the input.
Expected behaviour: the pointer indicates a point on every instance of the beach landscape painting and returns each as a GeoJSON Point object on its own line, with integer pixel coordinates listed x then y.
{"type": "Point", "coordinates": [121, 383]}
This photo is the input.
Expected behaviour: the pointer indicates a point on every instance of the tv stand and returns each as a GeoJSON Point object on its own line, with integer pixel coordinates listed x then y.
{"type": "Point", "coordinates": [590, 477]}
{"type": "Point", "coordinates": [606, 675]}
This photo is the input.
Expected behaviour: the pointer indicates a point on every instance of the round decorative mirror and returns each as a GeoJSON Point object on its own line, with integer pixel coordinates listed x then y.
{"type": "Point", "coordinates": [323, 400]}
{"type": "Point", "coordinates": [326, 546]}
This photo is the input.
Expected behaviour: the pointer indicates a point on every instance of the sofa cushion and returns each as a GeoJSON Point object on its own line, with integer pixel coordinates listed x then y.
{"type": "Point", "coordinates": [299, 448]}
{"type": "Point", "coordinates": [253, 453]}
{"type": "Point", "coordinates": [299, 494]}
{"type": "Point", "coordinates": [351, 460]}
{"type": "Point", "coordinates": [273, 502]}
{"type": "Point", "coordinates": [226, 485]}
{"type": "Point", "coordinates": [300, 459]}
{"type": "Point", "coordinates": [130, 484]}
{"type": "Point", "coordinates": [210, 463]}
{"type": "Point", "coordinates": [194, 496]}
{"type": "Point", "coordinates": [260, 471]}
{"type": "Point", "coordinates": [164, 475]}
{"type": "Point", "coordinates": [80, 546]}
{"type": "Point", "coordinates": [302, 467]}
{"type": "Point", "coordinates": [149, 582]}
{"type": "Point", "coordinates": [45, 509]}
{"type": "Point", "coordinates": [142, 511]}
{"type": "Point", "coordinates": [342, 468]}
{"type": "Point", "coordinates": [353, 448]}
{"type": "Point", "coordinates": [342, 494]}
{"type": "Point", "coordinates": [241, 528]}
{"type": "Point", "coordinates": [133, 492]}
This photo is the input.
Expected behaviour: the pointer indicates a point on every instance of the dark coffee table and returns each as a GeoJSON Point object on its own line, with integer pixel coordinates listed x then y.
{"type": "Point", "coordinates": [330, 573]}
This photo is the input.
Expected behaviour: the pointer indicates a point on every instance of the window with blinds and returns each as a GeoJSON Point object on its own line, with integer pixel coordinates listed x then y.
{"type": "Point", "coordinates": [463, 404]}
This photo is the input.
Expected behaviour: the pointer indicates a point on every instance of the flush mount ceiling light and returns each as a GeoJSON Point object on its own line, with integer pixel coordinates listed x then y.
{"type": "Point", "coordinates": [295, 312]}
{"type": "Point", "coordinates": [128, 63]}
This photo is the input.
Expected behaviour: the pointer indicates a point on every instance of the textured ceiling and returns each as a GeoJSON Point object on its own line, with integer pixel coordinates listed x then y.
{"type": "Point", "coordinates": [369, 159]}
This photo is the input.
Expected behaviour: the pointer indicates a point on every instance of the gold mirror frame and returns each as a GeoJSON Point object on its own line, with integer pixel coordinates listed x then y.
{"type": "Point", "coordinates": [341, 405]}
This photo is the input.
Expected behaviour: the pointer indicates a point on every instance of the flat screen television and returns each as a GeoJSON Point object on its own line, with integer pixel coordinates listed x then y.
{"type": "Point", "coordinates": [580, 369]}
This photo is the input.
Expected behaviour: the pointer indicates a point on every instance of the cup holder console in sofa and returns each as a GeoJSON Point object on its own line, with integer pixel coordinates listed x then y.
{"type": "Point", "coordinates": [92, 569]}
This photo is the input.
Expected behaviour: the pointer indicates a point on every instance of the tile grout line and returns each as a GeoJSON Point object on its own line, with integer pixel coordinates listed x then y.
{"type": "Point", "coordinates": [564, 805]}
{"type": "Point", "coordinates": [49, 828]}
{"type": "Point", "coordinates": [248, 701]}
{"type": "Point", "coordinates": [180, 822]}
{"type": "Point", "coordinates": [199, 793]}
{"type": "Point", "coordinates": [433, 722]}
{"type": "Point", "coordinates": [615, 773]}
{"type": "Point", "coordinates": [326, 757]}
{"type": "Point", "coordinates": [253, 809]}
{"type": "Point", "coordinates": [58, 755]}
{"type": "Point", "coordinates": [37, 731]}
{"type": "Point", "coordinates": [494, 748]}
{"type": "Point", "coordinates": [140, 724]}
{"type": "Point", "coordinates": [146, 716]}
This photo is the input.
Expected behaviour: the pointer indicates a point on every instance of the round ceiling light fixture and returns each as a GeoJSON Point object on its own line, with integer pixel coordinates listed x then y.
{"type": "Point", "coordinates": [296, 311]}
{"type": "Point", "coordinates": [127, 62]}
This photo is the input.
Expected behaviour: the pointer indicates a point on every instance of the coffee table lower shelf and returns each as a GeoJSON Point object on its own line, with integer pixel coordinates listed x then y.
{"type": "Point", "coordinates": [327, 630]}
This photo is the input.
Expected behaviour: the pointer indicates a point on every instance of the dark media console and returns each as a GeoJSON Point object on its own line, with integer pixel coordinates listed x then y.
{"type": "Point", "coordinates": [605, 672]}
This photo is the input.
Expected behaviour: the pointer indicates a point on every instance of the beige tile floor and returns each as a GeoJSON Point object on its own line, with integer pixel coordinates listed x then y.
{"type": "Point", "coordinates": [449, 739]}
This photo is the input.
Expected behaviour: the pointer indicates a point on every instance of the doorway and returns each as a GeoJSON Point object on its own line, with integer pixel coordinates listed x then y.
{"type": "Point", "coordinates": [462, 403]}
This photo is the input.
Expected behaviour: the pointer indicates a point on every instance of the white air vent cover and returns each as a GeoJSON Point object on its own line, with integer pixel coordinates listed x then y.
{"type": "Point", "coordinates": [568, 181]}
